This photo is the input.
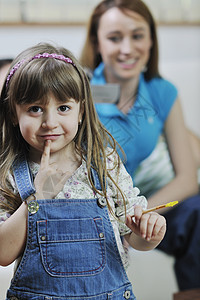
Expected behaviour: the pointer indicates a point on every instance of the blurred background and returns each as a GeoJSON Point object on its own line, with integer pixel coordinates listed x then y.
{"type": "Point", "coordinates": [24, 23]}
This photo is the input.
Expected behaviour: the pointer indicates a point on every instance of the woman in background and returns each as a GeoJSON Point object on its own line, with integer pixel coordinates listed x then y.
{"type": "Point", "coordinates": [121, 48]}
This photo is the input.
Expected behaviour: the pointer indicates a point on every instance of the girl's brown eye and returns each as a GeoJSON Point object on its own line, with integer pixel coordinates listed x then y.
{"type": "Point", "coordinates": [64, 108]}
{"type": "Point", "coordinates": [35, 109]}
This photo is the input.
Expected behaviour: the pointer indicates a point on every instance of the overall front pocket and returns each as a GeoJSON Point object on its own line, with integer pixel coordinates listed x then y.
{"type": "Point", "coordinates": [72, 247]}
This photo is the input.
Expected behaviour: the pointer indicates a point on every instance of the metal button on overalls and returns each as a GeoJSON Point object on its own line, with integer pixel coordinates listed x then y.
{"type": "Point", "coordinates": [127, 294]}
{"type": "Point", "coordinates": [33, 207]}
{"type": "Point", "coordinates": [101, 235]}
{"type": "Point", "coordinates": [102, 202]}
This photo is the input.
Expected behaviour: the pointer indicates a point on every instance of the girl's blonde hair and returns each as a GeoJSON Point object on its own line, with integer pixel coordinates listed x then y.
{"type": "Point", "coordinates": [34, 79]}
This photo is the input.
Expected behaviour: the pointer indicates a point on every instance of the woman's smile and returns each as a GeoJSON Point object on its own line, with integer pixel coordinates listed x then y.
{"type": "Point", "coordinates": [128, 63]}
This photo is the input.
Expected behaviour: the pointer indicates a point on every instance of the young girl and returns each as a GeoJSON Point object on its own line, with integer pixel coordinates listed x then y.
{"type": "Point", "coordinates": [66, 197]}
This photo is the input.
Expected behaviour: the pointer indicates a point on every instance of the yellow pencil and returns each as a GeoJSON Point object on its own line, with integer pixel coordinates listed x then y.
{"type": "Point", "coordinates": [170, 204]}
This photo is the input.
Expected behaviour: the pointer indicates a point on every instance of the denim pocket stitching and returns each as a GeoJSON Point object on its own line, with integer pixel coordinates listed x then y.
{"type": "Point", "coordinates": [45, 248]}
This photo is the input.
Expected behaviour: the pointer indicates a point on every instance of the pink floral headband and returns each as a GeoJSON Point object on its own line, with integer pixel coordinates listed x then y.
{"type": "Point", "coordinates": [44, 55]}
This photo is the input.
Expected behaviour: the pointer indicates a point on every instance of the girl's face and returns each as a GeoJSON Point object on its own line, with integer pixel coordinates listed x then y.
{"type": "Point", "coordinates": [124, 44]}
{"type": "Point", "coordinates": [54, 120]}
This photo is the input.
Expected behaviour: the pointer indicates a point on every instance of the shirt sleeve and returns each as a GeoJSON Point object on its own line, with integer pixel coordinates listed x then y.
{"type": "Point", "coordinates": [130, 192]}
{"type": "Point", "coordinates": [4, 214]}
{"type": "Point", "coordinates": [163, 94]}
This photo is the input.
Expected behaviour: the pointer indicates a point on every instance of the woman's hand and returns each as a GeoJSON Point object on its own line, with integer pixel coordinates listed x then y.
{"type": "Point", "coordinates": [150, 227]}
{"type": "Point", "coordinates": [49, 180]}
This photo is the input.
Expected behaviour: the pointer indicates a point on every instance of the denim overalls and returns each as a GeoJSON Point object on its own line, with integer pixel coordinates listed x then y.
{"type": "Point", "coordinates": [71, 251]}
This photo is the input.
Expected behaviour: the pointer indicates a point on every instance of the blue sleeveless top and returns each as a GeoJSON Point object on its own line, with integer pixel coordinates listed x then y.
{"type": "Point", "coordinates": [138, 131]}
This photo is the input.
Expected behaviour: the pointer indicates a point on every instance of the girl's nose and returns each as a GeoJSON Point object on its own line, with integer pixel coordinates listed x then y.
{"type": "Point", "coordinates": [49, 121]}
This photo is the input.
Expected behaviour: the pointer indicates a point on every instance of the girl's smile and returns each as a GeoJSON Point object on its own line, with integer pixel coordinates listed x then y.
{"type": "Point", "coordinates": [53, 120]}
{"type": "Point", "coordinates": [51, 137]}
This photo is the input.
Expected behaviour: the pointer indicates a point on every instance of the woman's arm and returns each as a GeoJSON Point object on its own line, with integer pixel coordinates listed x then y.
{"type": "Point", "coordinates": [195, 144]}
{"type": "Point", "coordinates": [184, 183]}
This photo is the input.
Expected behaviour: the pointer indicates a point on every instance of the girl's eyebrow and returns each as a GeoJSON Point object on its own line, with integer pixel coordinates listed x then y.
{"type": "Point", "coordinates": [41, 102]}
{"type": "Point", "coordinates": [70, 100]}
{"type": "Point", "coordinates": [67, 101]}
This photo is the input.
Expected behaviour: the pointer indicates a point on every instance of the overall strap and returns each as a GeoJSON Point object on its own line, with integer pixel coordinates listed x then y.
{"type": "Point", "coordinates": [95, 178]}
{"type": "Point", "coordinates": [94, 173]}
{"type": "Point", "coordinates": [24, 180]}
{"type": "Point", "coordinates": [23, 177]}
{"type": "Point", "coordinates": [101, 200]}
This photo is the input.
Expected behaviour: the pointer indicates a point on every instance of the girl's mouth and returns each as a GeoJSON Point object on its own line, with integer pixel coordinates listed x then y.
{"type": "Point", "coordinates": [51, 137]}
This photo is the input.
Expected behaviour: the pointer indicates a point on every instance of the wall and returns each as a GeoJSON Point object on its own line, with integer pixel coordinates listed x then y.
{"type": "Point", "coordinates": [179, 55]}
{"type": "Point", "coordinates": [180, 63]}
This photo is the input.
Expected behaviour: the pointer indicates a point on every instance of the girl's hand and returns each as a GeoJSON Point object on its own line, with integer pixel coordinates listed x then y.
{"type": "Point", "coordinates": [49, 180]}
{"type": "Point", "coordinates": [150, 226]}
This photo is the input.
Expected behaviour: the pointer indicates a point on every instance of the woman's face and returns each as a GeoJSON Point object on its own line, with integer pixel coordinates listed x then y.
{"type": "Point", "coordinates": [124, 42]}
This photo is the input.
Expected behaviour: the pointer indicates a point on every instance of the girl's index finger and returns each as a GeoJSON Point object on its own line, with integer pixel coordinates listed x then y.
{"type": "Point", "coordinates": [46, 154]}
